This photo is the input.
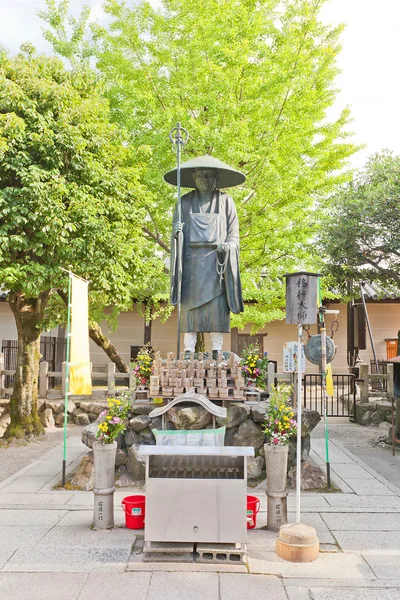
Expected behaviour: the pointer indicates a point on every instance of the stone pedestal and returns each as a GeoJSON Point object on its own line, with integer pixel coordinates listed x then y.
{"type": "Point", "coordinates": [297, 543]}
{"type": "Point", "coordinates": [104, 488]}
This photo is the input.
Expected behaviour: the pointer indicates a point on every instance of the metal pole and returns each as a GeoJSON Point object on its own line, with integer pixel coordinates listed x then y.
{"type": "Point", "coordinates": [370, 334]}
{"type": "Point", "coordinates": [64, 465]}
{"type": "Point", "coordinates": [299, 402]}
{"type": "Point", "coordinates": [323, 381]}
{"type": "Point", "coordinates": [176, 137]}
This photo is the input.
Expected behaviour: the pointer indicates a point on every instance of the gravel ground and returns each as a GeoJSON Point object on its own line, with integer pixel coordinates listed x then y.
{"type": "Point", "coordinates": [18, 454]}
{"type": "Point", "coordinates": [364, 443]}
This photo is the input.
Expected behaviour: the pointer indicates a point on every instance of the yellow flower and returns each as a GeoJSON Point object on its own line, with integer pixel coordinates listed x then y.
{"type": "Point", "coordinates": [108, 417]}
{"type": "Point", "coordinates": [118, 402]}
{"type": "Point", "coordinates": [291, 414]}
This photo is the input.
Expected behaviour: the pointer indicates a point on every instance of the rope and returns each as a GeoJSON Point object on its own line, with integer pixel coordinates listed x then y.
{"type": "Point", "coordinates": [221, 267]}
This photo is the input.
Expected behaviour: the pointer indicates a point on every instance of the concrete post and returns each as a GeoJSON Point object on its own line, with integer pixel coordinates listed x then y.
{"type": "Point", "coordinates": [132, 379]}
{"type": "Point", "coordinates": [104, 488]}
{"type": "Point", "coordinates": [276, 458]}
{"type": "Point", "coordinates": [43, 379]}
{"type": "Point", "coordinates": [364, 391]}
{"type": "Point", "coordinates": [271, 376]}
{"type": "Point", "coordinates": [111, 379]}
{"type": "Point", "coordinates": [390, 382]}
{"type": "Point", "coordinates": [1, 374]}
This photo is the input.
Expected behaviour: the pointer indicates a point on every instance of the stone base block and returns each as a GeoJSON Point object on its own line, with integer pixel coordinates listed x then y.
{"type": "Point", "coordinates": [168, 552]}
{"type": "Point", "coordinates": [220, 553]}
{"type": "Point", "coordinates": [297, 543]}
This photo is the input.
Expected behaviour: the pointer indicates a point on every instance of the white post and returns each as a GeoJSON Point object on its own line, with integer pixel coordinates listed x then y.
{"type": "Point", "coordinates": [1, 374]}
{"type": "Point", "coordinates": [299, 402]}
{"type": "Point", "coordinates": [43, 379]}
{"type": "Point", "coordinates": [271, 376]}
{"type": "Point", "coordinates": [111, 379]}
{"type": "Point", "coordinates": [63, 375]}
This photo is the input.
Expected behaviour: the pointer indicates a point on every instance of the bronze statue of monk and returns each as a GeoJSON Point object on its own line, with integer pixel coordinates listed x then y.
{"type": "Point", "coordinates": [211, 286]}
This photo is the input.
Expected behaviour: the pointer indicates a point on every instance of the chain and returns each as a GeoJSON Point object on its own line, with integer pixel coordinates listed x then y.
{"type": "Point", "coordinates": [334, 327]}
{"type": "Point", "coordinates": [221, 268]}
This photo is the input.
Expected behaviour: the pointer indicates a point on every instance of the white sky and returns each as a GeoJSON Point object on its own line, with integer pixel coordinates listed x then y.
{"type": "Point", "coordinates": [369, 61]}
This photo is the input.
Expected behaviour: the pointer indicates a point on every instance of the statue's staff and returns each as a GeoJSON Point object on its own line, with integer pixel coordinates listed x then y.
{"type": "Point", "coordinates": [179, 136]}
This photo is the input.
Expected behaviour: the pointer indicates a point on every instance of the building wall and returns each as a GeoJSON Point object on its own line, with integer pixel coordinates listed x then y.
{"type": "Point", "coordinates": [384, 318]}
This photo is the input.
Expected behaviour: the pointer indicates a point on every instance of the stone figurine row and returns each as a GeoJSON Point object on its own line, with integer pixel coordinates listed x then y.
{"type": "Point", "coordinates": [214, 378]}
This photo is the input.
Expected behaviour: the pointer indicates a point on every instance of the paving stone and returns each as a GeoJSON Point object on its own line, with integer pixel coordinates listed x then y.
{"type": "Point", "coordinates": [85, 537]}
{"type": "Point", "coordinates": [42, 586]}
{"type": "Point", "coordinates": [308, 502]}
{"type": "Point", "coordinates": [22, 536]}
{"type": "Point", "coordinates": [335, 454]}
{"type": "Point", "coordinates": [367, 541]}
{"type": "Point", "coordinates": [53, 559]}
{"type": "Point", "coordinates": [28, 518]}
{"type": "Point", "coordinates": [327, 566]}
{"type": "Point", "coordinates": [364, 593]}
{"type": "Point", "coordinates": [6, 553]}
{"type": "Point", "coordinates": [384, 566]}
{"type": "Point", "coordinates": [84, 518]}
{"type": "Point", "coordinates": [27, 484]}
{"type": "Point", "coordinates": [178, 586]}
{"type": "Point", "coordinates": [50, 499]}
{"type": "Point", "coordinates": [241, 587]}
{"type": "Point", "coordinates": [369, 487]}
{"type": "Point", "coordinates": [362, 522]}
{"type": "Point", "coordinates": [351, 472]}
{"type": "Point", "coordinates": [362, 502]}
{"type": "Point", "coordinates": [109, 586]}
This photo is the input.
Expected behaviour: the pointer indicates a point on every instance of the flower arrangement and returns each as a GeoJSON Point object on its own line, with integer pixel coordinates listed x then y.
{"type": "Point", "coordinates": [279, 425]}
{"type": "Point", "coordinates": [113, 420]}
{"type": "Point", "coordinates": [254, 368]}
{"type": "Point", "coordinates": [142, 366]}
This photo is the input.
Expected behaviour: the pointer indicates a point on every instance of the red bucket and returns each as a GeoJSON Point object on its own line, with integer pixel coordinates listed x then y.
{"type": "Point", "coordinates": [253, 506]}
{"type": "Point", "coordinates": [134, 508]}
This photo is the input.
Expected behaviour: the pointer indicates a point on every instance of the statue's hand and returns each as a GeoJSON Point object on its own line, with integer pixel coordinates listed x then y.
{"type": "Point", "coordinates": [177, 228]}
{"type": "Point", "coordinates": [222, 248]}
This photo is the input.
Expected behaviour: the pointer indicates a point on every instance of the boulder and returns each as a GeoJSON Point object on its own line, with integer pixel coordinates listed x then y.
{"type": "Point", "coordinates": [384, 406]}
{"type": "Point", "coordinates": [247, 434]}
{"type": "Point", "coordinates": [93, 407]}
{"type": "Point", "coordinates": [131, 438]}
{"type": "Point", "coordinates": [255, 468]}
{"type": "Point", "coordinates": [189, 417]}
{"type": "Point", "coordinates": [140, 408]}
{"type": "Point", "coordinates": [46, 418]}
{"type": "Point", "coordinates": [89, 435]}
{"type": "Point", "coordinates": [135, 464]}
{"type": "Point", "coordinates": [309, 419]}
{"type": "Point", "coordinates": [156, 423]}
{"type": "Point", "coordinates": [385, 426]}
{"type": "Point", "coordinates": [124, 480]}
{"type": "Point", "coordinates": [366, 418]}
{"type": "Point", "coordinates": [92, 417]}
{"type": "Point", "coordinates": [84, 476]}
{"type": "Point", "coordinates": [56, 406]}
{"type": "Point", "coordinates": [146, 436]}
{"type": "Point", "coordinates": [236, 414]}
{"type": "Point", "coordinates": [305, 450]}
{"type": "Point", "coordinates": [59, 419]}
{"type": "Point", "coordinates": [258, 413]}
{"type": "Point", "coordinates": [121, 458]}
{"type": "Point", "coordinates": [312, 478]}
{"type": "Point", "coordinates": [81, 417]}
{"type": "Point", "coordinates": [376, 417]}
{"type": "Point", "coordinates": [139, 422]}
{"type": "Point", "coordinates": [71, 408]}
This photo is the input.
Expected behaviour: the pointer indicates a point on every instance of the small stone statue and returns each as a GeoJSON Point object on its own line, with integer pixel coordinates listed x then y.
{"type": "Point", "coordinates": [211, 286]}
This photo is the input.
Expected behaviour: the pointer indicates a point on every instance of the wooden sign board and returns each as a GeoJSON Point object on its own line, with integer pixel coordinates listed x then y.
{"type": "Point", "coordinates": [290, 357]}
{"type": "Point", "coordinates": [301, 298]}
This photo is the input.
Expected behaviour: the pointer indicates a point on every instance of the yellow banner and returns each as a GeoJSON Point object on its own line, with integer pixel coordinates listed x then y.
{"type": "Point", "coordinates": [329, 380]}
{"type": "Point", "coordinates": [80, 381]}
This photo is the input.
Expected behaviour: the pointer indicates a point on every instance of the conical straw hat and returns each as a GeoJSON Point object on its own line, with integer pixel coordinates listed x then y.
{"type": "Point", "coordinates": [227, 176]}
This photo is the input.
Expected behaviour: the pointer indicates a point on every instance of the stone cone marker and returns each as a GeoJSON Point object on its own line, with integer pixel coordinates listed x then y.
{"type": "Point", "coordinates": [297, 543]}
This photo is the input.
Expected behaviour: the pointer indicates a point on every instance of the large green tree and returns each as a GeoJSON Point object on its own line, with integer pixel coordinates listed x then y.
{"type": "Point", "coordinates": [252, 82]}
{"type": "Point", "coordinates": [70, 197]}
{"type": "Point", "coordinates": [360, 236]}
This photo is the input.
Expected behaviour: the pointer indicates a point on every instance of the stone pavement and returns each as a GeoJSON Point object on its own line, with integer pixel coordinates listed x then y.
{"type": "Point", "coordinates": [47, 549]}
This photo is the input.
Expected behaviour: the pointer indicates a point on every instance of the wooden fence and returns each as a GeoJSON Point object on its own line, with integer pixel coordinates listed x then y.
{"type": "Point", "coordinates": [111, 376]}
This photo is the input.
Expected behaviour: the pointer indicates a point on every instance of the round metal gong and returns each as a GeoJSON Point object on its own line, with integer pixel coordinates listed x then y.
{"type": "Point", "coordinates": [313, 350]}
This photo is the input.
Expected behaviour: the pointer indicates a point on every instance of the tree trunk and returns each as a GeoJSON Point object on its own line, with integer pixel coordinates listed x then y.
{"type": "Point", "coordinates": [200, 343]}
{"type": "Point", "coordinates": [101, 340]}
{"type": "Point", "coordinates": [96, 334]}
{"type": "Point", "coordinates": [28, 313]}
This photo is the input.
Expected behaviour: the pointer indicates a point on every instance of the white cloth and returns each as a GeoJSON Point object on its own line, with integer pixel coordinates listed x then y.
{"type": "Point", "coordinates": [189, 341]}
